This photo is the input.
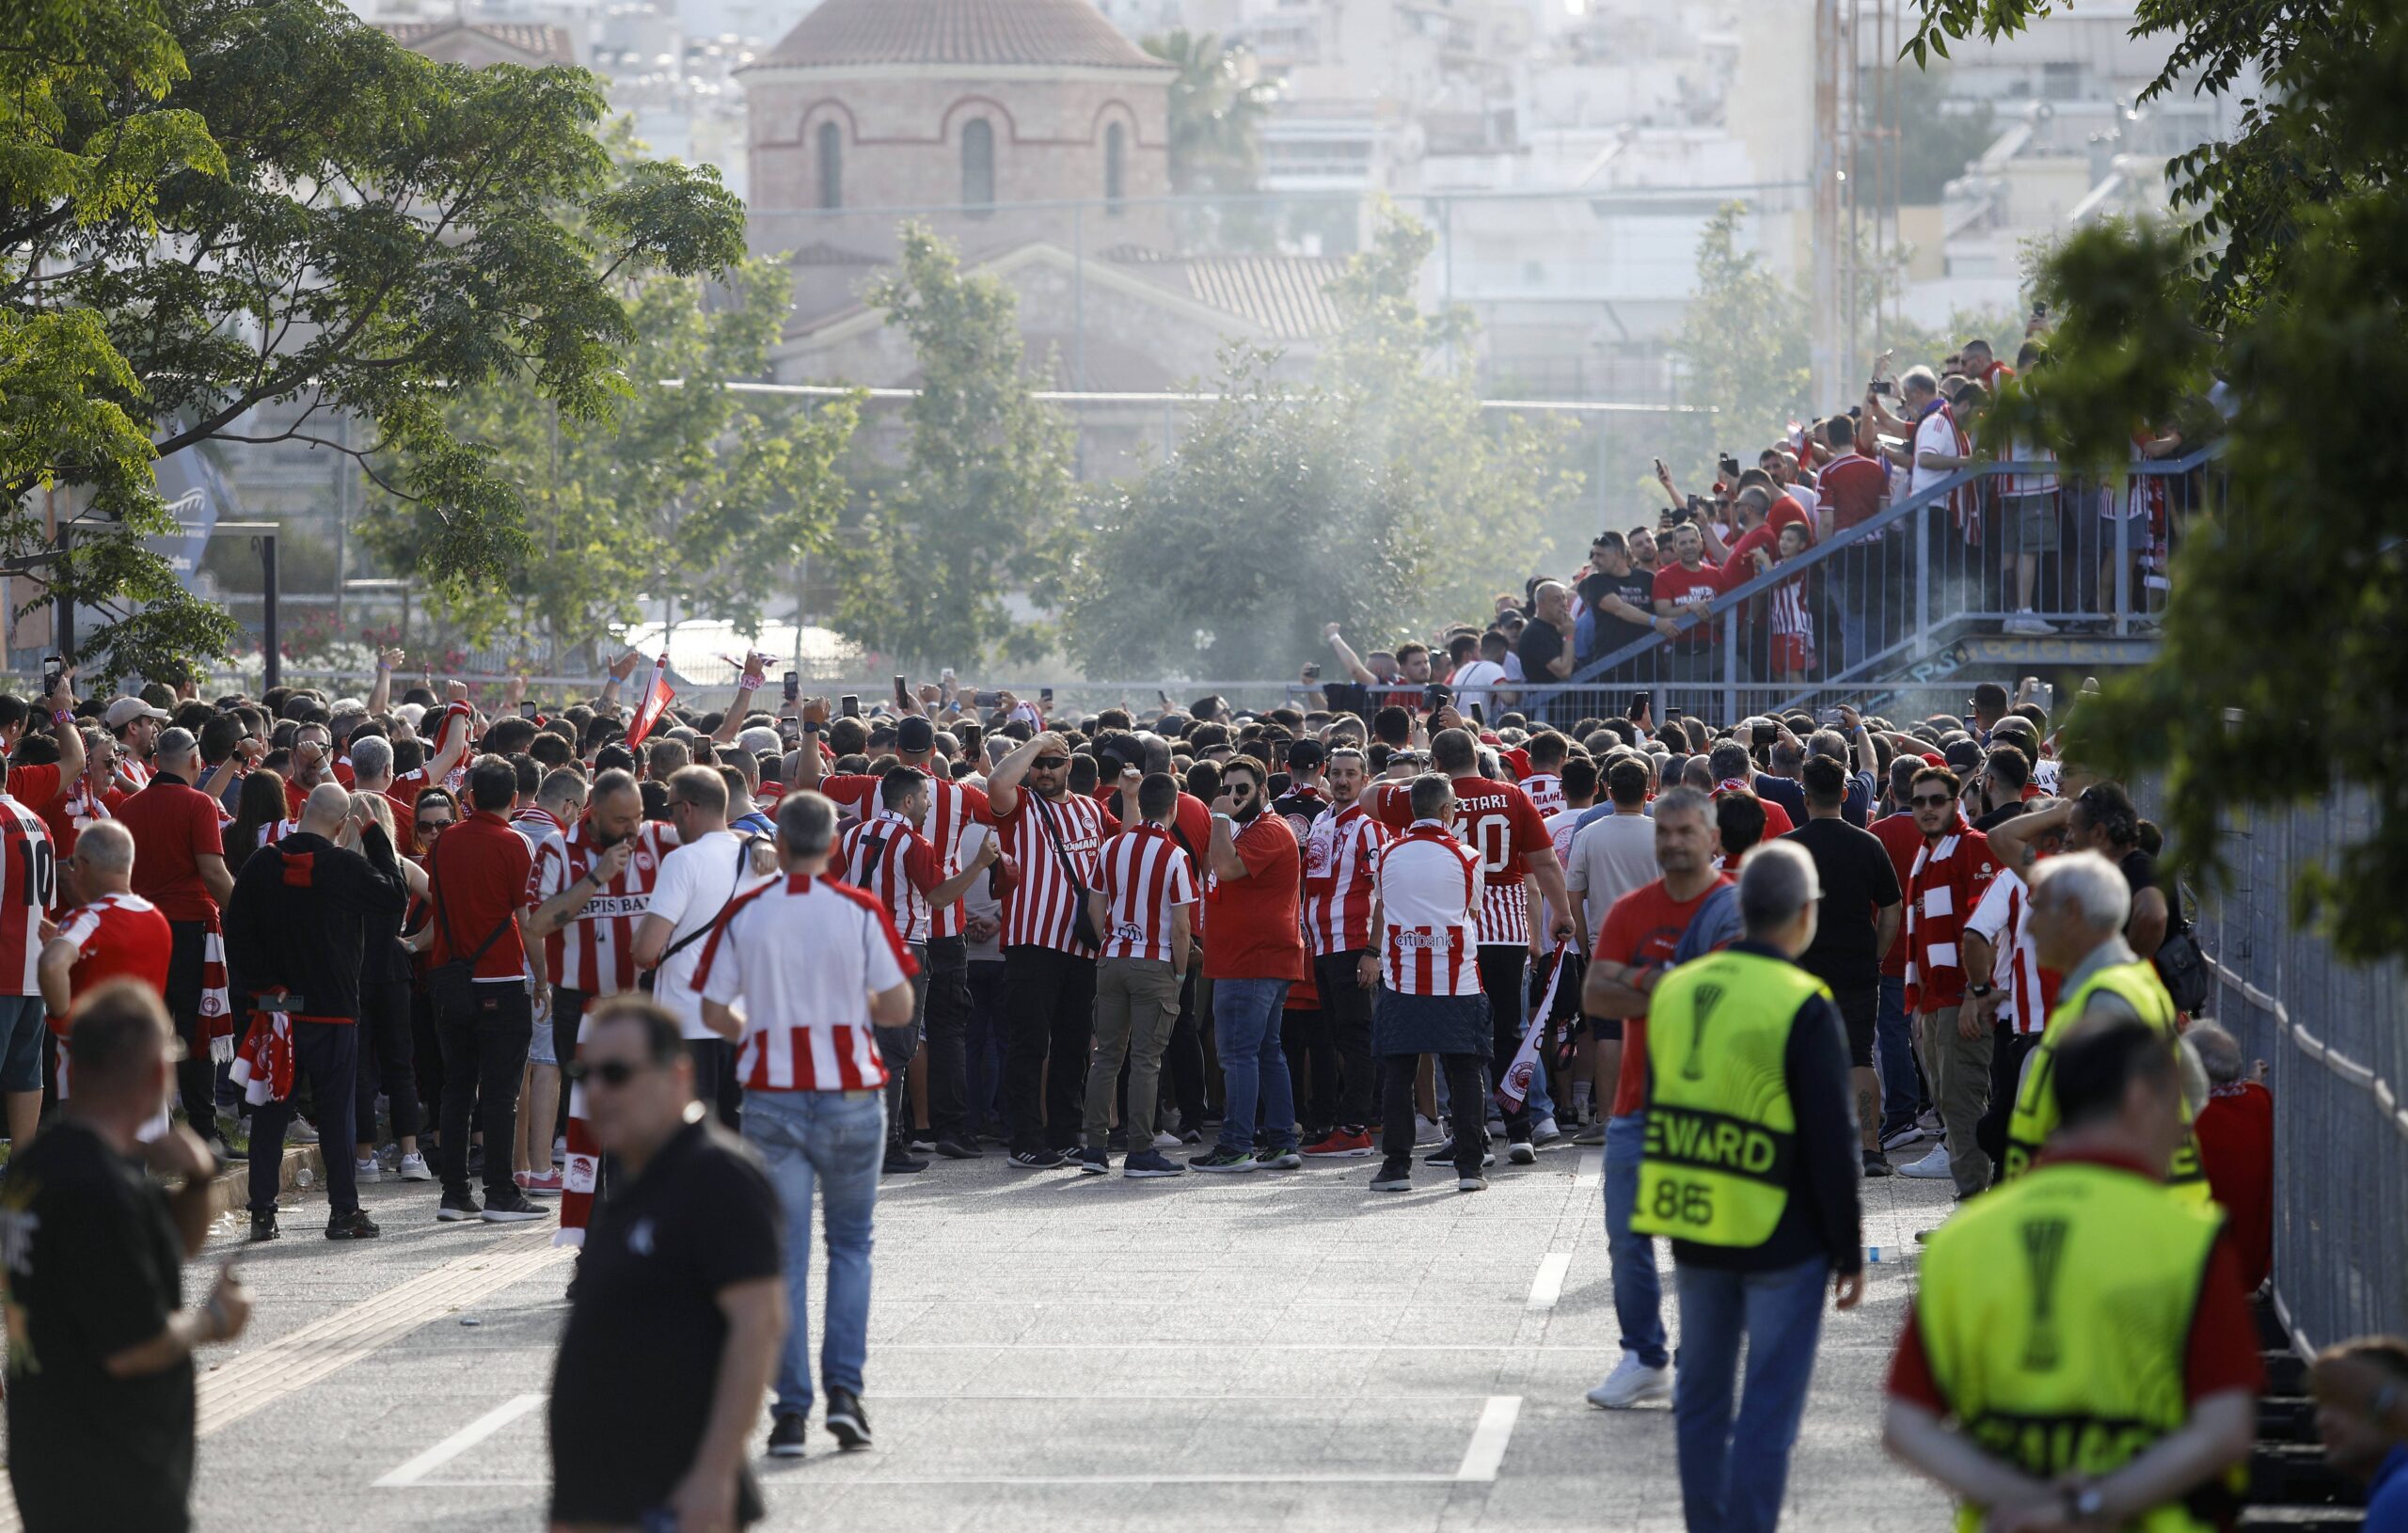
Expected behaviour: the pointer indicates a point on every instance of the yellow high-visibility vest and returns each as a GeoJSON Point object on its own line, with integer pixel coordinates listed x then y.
{"type": "Point", "coordinates": [2035, 1103]}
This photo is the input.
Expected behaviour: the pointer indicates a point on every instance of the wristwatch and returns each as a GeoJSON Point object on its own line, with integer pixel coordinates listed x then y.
{"type": "Point", "coordinates": [1979, 991]}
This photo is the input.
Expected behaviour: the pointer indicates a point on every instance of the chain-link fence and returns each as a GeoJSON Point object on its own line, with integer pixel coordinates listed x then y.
{"type": "Point", "coordinates": [2336, 1036]}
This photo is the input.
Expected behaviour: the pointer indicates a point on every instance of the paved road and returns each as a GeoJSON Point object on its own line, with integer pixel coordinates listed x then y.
{"type": "Point", "coordinates": [1056, 1352]}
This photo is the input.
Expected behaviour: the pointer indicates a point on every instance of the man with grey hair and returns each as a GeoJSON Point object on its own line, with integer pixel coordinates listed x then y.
{"type": "Point", "coordinates": [179, 866]}
{"type": "Point", "coordinates": [1750, 1166]}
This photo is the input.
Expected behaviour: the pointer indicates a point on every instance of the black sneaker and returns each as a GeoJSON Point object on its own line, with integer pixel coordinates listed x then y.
{"type": "Point", "coordinates": [1394, 1177]}
{"type": "Point", "coordinates": [1149, 1162]}
{"type": "Point", "coordinates": [847, 1421]}
{"type": "Point", "coordinates": [455, 1210]}
{"type": "Point", "coordinates": [264, 1227]}
{"type": "Point", "coordinates": [513, 1207]}
{"type": "Point", "coordinates": [1095, 1163]}
{"type": "Point", "coordinates": [786, 1435]}
{"type": "Point", "coordinates": [354, 1225]}
{"type": "Point", "coordinates": [1444, 1155]}
{"type": "Point", "coordinates": [959, 1149]}
{"type": "Point", "coordinates": [1878, 1164]}
{"type": "Point", "coordinates": [899, 1162]}
{"type": "Point", "coordinates": [1223, 1159]}
{"type": "Point", "coordinates": [1041, 1159]}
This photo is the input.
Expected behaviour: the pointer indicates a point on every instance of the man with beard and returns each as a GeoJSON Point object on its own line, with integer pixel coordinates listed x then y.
{"type": "Point", "coordinates": [1256, 952]}
{"type": "Point", "coordinates": [1342, 855]}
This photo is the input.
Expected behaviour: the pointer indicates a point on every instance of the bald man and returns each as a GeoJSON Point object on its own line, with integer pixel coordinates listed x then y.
{"type": "Point", "coordinates": [296, 934]}
{"type": "Point", "coordinates": [1545, 651]}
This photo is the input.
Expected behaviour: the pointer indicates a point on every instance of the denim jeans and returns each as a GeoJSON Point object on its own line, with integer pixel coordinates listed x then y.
{"type": "Point", "coordinates": [1894, 1051]}
{"type": "Point", "coordinates": [985, 1045]}
{"type": "Point", "coordinates": [835, 1140]}
{"type": "Point", "coordinates": [1245, 1029]}
{"type": "Point", "coordinates": [1781, 1313]}
{"type": "Point", "coordinates": [1638, 1291]}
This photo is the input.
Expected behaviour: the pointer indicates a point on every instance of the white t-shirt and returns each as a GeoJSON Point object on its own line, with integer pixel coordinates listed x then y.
{"type": "Point", "coordinates": [693, 886]}
{"type": "Point", "coordinates": [1935, 433]}
{"type": "Point", "coordinates": [978, 901]}
{"type": "Point", "coordinates": [1559, 827]}
{"type": "Point", "coordinates": [1615, 855]}
{"type": "Point", "coordinates": [1472, 685]}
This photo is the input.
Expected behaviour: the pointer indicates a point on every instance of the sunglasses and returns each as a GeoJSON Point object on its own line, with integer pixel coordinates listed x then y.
{"type": "Point", "coordinates": [1924, 799]}
{"type": "Point", "coordinates": [431, 826]}
{"type": "Point", "coordinates": [610, 1072]}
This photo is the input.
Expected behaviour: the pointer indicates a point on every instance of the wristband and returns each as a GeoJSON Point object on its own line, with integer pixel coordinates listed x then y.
{"type": "Point", "coordinates": [62, 716]}
{"type": "Point", "coordinates": [748, 684]}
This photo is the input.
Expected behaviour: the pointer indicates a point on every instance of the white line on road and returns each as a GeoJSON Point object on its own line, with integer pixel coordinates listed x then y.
{"type": "Point", "coordinates": [460, 1441]}
{"type": "Point", "coordinates": [1488, 1439]}
{"type": "Point", "coordinates": [1592, 1169]}
{"type": "Point", "coordinates": [1547, 1286]}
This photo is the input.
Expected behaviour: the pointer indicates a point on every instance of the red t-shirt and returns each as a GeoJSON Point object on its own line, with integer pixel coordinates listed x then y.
{"type": "Point", "coordinates": [1257, 924]}
{"type": "Point", "coordinates": [478, 879]}
{"type": "Point", "coordinates": [173, 824]}
{"type": "Point", "coordinates": [2235, 1133]}
{"type": "Point", "coordinates": [117, 936]}
{"type": "Point", "coordinates": [1902, 838]}
{"type": "Point", "coordinates": [1674, 583]}
{"type": "Point", "coordinates": [1641, 931]}
{"type": "Point", "coordinates": [2221, 1355]}
{"type": "Point", "coordinates": [38, 788]}
{"type": "Point", "coordinates": [1853, 486]}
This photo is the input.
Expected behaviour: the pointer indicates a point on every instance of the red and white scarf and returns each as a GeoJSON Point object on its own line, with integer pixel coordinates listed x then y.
{"type": "Point", "coordinates": [1964, 501]}
{"type": "Point", "coordinates": [217, 1003]}
{"type": "Point", "coordinates": [264, 1065]}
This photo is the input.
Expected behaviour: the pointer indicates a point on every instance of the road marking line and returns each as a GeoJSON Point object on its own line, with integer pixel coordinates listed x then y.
{"type": "Point", "coordinates": [460, 1441]}
{"type": "Point", "coordinates": [774, 1486]}
{"type": "Point", "coordinates": [262, 1377]}
{"type": "Point", "coordinates": [1547, 1286]}
{"type": "Point", "coordinates": [1487, 1449]}
{"type": "Point", "coordinates": [1592, 1169]}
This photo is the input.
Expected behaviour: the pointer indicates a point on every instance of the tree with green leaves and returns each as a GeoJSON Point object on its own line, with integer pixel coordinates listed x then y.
{"type": "Point", "coordinates": [2281, 677]}
{"type": "Point", "coordinates": [1217, 114]}
{"type": "Point", "coordinates": [984, 507]}
{"type": "Point", "coordinates": [211, 206]}
{"type": "Point", "coordinates": [694, 496]}
{"type": "Point", "coordinates": [1743, 348]}
{"type": "Point", "coordinates": [1381, 497]}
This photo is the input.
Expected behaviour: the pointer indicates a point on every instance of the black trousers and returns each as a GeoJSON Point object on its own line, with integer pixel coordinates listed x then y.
{"type": "Point", "coordinates": [1304, 1037]}
{"type": "Point", "coordinates": [196, 1074]}
{"type": "Point", "coordinates": [1049, 1014]}
{"type": "Point", "coordinates": [988, 989]}
{"type": "Point", "coordinates": [1466, 1090]}
{"type": "Point", "coordinates": [2006, 1072]}
{"type": "Point", "coordinates": [1347, 1006]}
{"type": "Point", "coordinates": [484, 1055]}
{"type": "Point", "coordinates": [1183, 1061]}
{"type": "Point", "coordinates": [715, 1083]}
{"type": "Point", "coordinates": [1500, 981]}
{"type": "Point", "coordinates": [325, 1054]}
{"type": "Point", "coordinates": [426, 1059]}
{"type": "Point", "coordinates": [947, 1025]}
{"type": "Point", "coordinates": [895, 1047]}
{"type": "Point", "coordinates": [385, 1049]}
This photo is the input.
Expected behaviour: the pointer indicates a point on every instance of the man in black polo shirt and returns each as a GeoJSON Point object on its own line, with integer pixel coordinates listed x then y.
{"type": "Point", "coordinates": [679, 1293]}
{"type": "Point", "coordinates": [1861, 915]}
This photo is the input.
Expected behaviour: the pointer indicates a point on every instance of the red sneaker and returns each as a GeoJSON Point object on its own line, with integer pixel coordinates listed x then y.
{"type": "Point", "coordinates": [1338, 1142]}
{"type": "Point", "coordinates": [545, 1185]}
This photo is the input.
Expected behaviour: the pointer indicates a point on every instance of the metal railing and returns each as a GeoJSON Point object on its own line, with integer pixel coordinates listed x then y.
{"type": "Point", "coordinates": [1880, 602]}
{"type": "Point", "coordinates": [2336, 1037]}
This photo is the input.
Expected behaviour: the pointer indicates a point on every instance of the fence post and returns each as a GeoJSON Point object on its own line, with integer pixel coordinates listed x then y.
{"type": "Point", "coordinates": [2124, 562]}
{"type": "Point", "coordinates": [1731, 664]}
{"type": "Point", "coordinates": [1920, 530]}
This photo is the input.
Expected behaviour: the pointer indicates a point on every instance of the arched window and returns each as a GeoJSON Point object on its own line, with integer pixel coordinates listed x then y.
{"type": "Point", "coordinates": [1116, 155]}
{"type": "Point", "coordinates": [831, 165]}
{"type": "Point", "coordinates": [978, 164]}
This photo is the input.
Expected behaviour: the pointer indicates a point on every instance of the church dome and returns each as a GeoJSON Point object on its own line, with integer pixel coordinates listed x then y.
{"type": "Point", "coordinates": [973, 33]}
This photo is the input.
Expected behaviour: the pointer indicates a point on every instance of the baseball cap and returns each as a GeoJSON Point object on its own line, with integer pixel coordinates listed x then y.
{"type": "Point", "coordinates": [1933, 758]}
{"type": "Point", "coordinates": [1964, 755]}
{"type": "Point", "coordinates": [125, 710]}
{"type": "Point", "coordinates": [914, 734]}
{"type": "Point", "coordinates": [1304, 755]}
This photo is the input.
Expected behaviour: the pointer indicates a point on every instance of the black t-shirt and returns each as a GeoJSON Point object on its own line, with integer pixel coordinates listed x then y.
{"type": "Point", "coordinates": [1542, 645]}
{"type": "Point", "coordinates": [631, 1390]}
{"type": "Point", "coordinates": [2140, 871]}
{"type": "Point", "coordinates": [94, 1266]}
{"type": "Point", "coordinates": [1639, 589]}
{"type": "Point", "coordinates": [1858, 879]}
{"type": "Point", "coordinates": [1788, 792]}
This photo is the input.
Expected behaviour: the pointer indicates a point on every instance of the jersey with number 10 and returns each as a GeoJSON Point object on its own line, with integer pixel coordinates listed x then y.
{"type": "Point", "coordinates": [27, 881]}
{"type": "Point", "coordinates": [1500, 826]}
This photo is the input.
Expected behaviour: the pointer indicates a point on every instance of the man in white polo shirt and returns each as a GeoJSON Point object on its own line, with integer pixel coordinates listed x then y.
{"type": "Point", "coordinates": [817, 967]}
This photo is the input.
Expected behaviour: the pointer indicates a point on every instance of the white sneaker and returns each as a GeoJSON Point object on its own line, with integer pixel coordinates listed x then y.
{"type": "Point", "coordinates": [367, 1170]}
{"type": "Point", "coordinates": [299, 1132]}
{"type": "Point", "coordinates": [1928, 1121]}
{"type": "Point", "coordinates": [1544, 1131]}
{"type": "Point", "coordinates": [414, 1168]}
{"type": "Point", "coordinates": [1165, 1140]}
{"type": "Point", "coordinates": [1632, 1382]}
{"type": "Point", "coordinates": [2026, 625]}
{"type": "Point", "coordinates": [1931, 1167]}
{"type": "Point", "coordinates": [560, 1148]}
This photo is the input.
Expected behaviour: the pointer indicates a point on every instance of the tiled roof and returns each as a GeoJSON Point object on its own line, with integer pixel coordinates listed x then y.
{"type": "Point", "coordinates": [1287, 295]}
{"type": "Point", "coordinates": [549, 43]}
{"type": "Point", "coordinates": [958, 32]}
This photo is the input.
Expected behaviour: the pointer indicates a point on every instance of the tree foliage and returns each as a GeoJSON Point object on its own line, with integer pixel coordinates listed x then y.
{"type": "Point", "coordinates": [1217, 114]}
{"type": "Point", "coordinates": [207, 206]}
{"type": "Point", "coordinates": [984, 505]}
{"type": "Point", "coordinates": [690, 494]}
{"type": "Point", "coordinates": [2281, 677]}
{"type": "Point", "coordinates": [1381, 497]}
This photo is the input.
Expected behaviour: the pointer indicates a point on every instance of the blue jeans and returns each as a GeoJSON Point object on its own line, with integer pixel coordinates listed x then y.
{"type": "Point", "coordinates": [1638, 1293]}
{"type": "Point", "coordinates": [835, 1140]}
{"type": "Point", "coordinates": [1893, 1051]}
{"type": "Point", "coordinates": [1245, 1030]}
{"type": "Point", "coordinates": [1781, 1313]}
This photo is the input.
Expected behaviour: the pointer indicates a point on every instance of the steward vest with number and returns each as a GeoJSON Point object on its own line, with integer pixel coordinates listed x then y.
{"type": "Point", "coordinates": [1721, 1131]}
{"type": "Point", "coordinates": [2035, 1102]}
{"type": "Point", "coordinates": [2056, 1312]}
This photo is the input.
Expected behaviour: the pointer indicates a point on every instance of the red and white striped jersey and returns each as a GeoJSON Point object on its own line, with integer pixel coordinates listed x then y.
{"type": "Point", "coordinates": [1146, 877]}
{"type": "Point", "coordinates": [1546, 792]}
{"type": "Point", "coordinates": [596, 953]}
{"type": "Point", "coordinates": [1429, 887]}
{"type": "Point", "coordinates": [28, 884]}
{"type": "Point", "coordinates": [116, 936]}
{"type": "Point", "coordinates": [895, 866]}
{"type": "Point", "coordinates": [2002, 919]}
{"type": "Point", "coordinates": [1340, 853]}
{"type": "Point", "coordinates": [1038, 906]}
{"type": "Point", "coordinates": [800, 957]}
{"type": "Point", "coordinates": [1500, 824]}
{"type": "Point", "coordinates": [953, 808]}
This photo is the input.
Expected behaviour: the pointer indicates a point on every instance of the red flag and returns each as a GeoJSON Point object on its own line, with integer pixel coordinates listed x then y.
{"type": "Point", "coordinates": [656, 702]}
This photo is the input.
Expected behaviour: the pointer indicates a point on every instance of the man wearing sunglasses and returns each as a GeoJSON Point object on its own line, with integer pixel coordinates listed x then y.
{"type": "Point", "coordinates": [1951, 875]}
{"type": "Point", "coordinates": [678, 1286]}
